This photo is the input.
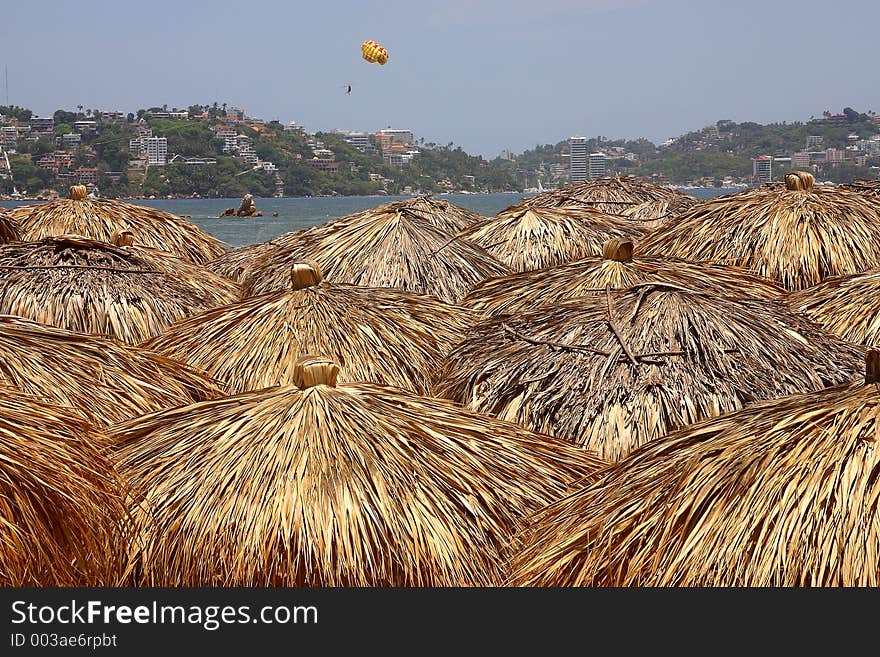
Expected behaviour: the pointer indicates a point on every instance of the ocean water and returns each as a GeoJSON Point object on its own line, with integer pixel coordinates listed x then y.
{"type": "Point", "coordinates": [296, 213]}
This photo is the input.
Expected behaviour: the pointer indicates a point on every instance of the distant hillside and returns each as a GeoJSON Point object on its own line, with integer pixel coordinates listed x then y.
{"type": "Point", "coordinates": [212, 153]}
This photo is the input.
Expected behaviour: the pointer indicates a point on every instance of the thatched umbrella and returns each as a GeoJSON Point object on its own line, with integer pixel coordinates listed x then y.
{"type": "Point", "coordinates": [381, 335]}
{"type": "Point", "coordinates": [99, 219]}
{"type": "Point", "coordinates": [215, 287]}
{"type": "Point", "coordinates": [796, 234]}
{"type": "Point", "coordinates": [615, 195]}
{"type": "Point", "coordinates": [618, 268]}
{"type": "Point", "coordinates": [783, 493]}
{"type": "Point", "coordinates": [234, 263]}
{"type": "Point", "coordinates": [326, 485]}
{"type": "Point", "coordinates": [527, 238]}
{"type": "Point", "coordinates": [61, 502]}
{"type": "Point", "coordinates": [388, 246]}
{"type": "Point", "coordinates": [8, 229]}
{"type": "Point", "coordinates": [441, 214]}
{"type": "Point", "coordinates": [106, 381]}
{"type": "Point", "coordinates": [614, 372]}
{"type": "Point", "coordinates": [92, 287]}
{"type": "Point", "coordinates": [866, 186]}
{"type": "Point", "coordinates": [845, 305]}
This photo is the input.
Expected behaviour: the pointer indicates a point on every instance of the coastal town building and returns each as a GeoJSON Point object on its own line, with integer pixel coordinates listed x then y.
{"type": "Point", "coordinates": [578, 170]}
{"type": "Point", "coordinates": [762, 168]}
{"type": "Point", "coordinates": [598, 165]}
{"type": "Point", "coordinates": [814, 140]}
{"type": "Point", "coordinates": [835, 155]}
{"type": "Point", "coordinates": [801, 159]}
{"type": "Point", "coordinates": [156, 149]}
{"type": "Point", "coordinates": [322, 164]}
{"type": "Point", "coordinates": [71, 140]}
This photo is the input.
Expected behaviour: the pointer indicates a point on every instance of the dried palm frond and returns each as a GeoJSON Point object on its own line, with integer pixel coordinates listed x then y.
{"type": "Point", "coordinates": [388, 246]}
{"type": "Point", "coordinates": [866, 186]}
{"type": "Point", "coordinates": [93, 287]}
{"type": "Point", "coordinates": [325, 485]}
{"type": "Point", "coordinates": [106, 381]}
{"type": "Point", "coordinates": [99, 219]}
{"type": "Point", "coordinates": [8, 229]}
{"type": "Point", "coordinates": [845, 305]}
{"type": "Point", "coordinates": [234, 263]}
{"type": "Point", "coordinates": [780, 494]}
{"type": "Point", "coordinates": [527, 238]}
{"type": "Point", "coordinates": [613, 372]}
{"type": "Point", "coordinates": [380, 335]}
{"type": "Point", "coordinates": [796, 234]}
{"type": "Point", "coordinates": [617, 268]}
{"type": "Point", "coordinates": [613, 195]}
{"type": "Point", "coordinates": [61, 502]}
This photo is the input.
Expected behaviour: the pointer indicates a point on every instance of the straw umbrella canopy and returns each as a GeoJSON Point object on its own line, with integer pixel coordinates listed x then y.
{"type": "Point", "coordinates": [615, 195]}
{"type": "Point", "coordinates": [381, 335]}
{"type": "Point", "coordinates": [439, 213]}
{"type": "Point", "coordinates": [234, 263]}
{"type": "Point", "coordinates": [388, 246]}
{"type": "Point", "coordinates": [612, 373]}
{"type": "Point", "coordinates": [61, 502]}
{"type": "Point", "coordinates": [795, 234]}
{"type": "Point", "coordinates": [845, 305]}
{"type": "Point", "coordinates": [103, 379]}
{"type": "Point", "coordinates": [617, 268]}
{"type": "Point", "coordinates": [527, 238]}
{"type": "Point", "coordinates": [215, 287]}
{"type": "Point", "coordinates": [93, 287]}
{"type": "Point", "coordinates": [99, 219]}
{"type": "Point", "coordinates": [321, 484]}
{"type": "Point", "coordinates": [866, 186]}
{"type": "Point", "coordinates": [782, 493]}
{"type": "Point", "coordinates": [8, 229]}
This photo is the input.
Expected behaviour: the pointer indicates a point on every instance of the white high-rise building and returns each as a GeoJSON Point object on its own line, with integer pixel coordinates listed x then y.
{"type": "Point", "coordinates": [577, 159]}
{"type": "Point", "coordinates": [598, 165]}
{"type": "Point", "coordinates": [156, 149]}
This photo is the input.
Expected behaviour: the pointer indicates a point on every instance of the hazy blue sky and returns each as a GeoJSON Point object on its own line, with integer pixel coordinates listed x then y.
{"type": "Point", "coordinates": [485, 74]}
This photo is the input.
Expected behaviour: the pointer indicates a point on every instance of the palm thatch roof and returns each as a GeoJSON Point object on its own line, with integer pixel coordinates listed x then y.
{"type": "Point", "coordinates": [61, 502]}
{"type": "Point", "coordinates": [619, 370]}
{"type": "Point", "coordinates": [99, 219]}
{"type": "Point", "coordinates": [326, 485]}
{"type": "Point", "coordinates": [783, 493]}
{"type": "Point", "coordinates": [387, 246]}
{"type": "Point", "coordinates": [845, 305]}
{"type": "Point", "coordinates": [86, 286]}
{"type": "Point", "coordinates": [381, 335]}
{"type": "Point", "coordinates": [614, 195]}
{"type": "Point", "coordinates": [8, 229]}
{"type": "Point", "coordinates": [106, 381]}
{"type": "Point", "coordinates": [527, 238]}
{"type": "Point", "coordinates": [216, 288]}
{"type": "Point", "coordinates": [866, 186]}
{"type": "Point", "coordinates": [233, 264]}
{"type": "Point", "coordinates": [617, 268]}
{"type": "Point", "coordinates": [798, 234]}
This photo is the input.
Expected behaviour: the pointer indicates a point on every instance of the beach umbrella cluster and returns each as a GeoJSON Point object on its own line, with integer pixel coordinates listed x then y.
{"type": "Point", "coordinates": [608, 384]}
{"type": "Point", "coordinates": [796, 234]}
{"type": "Point", "coordinates": [628, 196]}
{"type": "Point", "coordinates": [101, 219]}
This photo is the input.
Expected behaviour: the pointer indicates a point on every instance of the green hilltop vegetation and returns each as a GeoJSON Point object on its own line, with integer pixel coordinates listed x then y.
{"type": "Point", "coordinates": [716, 154]}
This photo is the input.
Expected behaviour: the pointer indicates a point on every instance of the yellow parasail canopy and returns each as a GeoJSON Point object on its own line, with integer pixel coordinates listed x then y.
{"type": "Point", "coordinates": [373, 52]}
